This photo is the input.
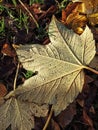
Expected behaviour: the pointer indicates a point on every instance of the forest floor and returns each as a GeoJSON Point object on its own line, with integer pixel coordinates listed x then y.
{"type": "Point", "coordinates": [27, 23]}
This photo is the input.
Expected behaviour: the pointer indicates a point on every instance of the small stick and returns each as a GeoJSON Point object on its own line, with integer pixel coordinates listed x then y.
{"type": "Point", "coordinates": [14, 86]}
{"type": "Point", "coordinates": [48, 120]}
{"type": "Point", "coordinates": [29, 13]}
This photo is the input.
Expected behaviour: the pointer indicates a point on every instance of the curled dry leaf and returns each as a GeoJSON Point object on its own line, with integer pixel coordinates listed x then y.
{"type": "Point", "coordinates": [74, 17]}
{"type": "Point", "coordinates": [59, 80]}
{"type": "Point", "coordinates": [91, 6]}
{"type": "Point", "coordinates": [93, 18]}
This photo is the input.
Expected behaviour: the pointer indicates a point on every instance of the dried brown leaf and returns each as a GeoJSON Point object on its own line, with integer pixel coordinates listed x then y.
{"type": "Point", "coordinates": [73, 16]}
{"type": "Point", "coordinates": [91, 6]}
{"type": "Point", "coordinates": [3, 90]}
{"type": "Point", "coordinates": [66, 116]}
{"type": "Point", "coordinates": [87, 120]}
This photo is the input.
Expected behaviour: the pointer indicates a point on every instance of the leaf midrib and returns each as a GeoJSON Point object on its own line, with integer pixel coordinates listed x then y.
{"type": "Point", "coordinates": [70, 50]}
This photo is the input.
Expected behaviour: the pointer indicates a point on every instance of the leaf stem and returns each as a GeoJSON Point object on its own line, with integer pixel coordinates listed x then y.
{"type": "Point", "coordinates": [37, 25]}
{"type": "Point", "coordinates": [48, 120]}
{"type": "Point", "coordinates": [91, 69]}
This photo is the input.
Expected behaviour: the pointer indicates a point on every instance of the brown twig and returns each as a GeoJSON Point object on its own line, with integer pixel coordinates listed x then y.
{"type": "Point", "coordinates": [48, 120]}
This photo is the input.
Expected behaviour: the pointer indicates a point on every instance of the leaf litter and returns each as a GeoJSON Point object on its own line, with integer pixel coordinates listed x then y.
{"type": "Point", "coordinates": [52, 52]}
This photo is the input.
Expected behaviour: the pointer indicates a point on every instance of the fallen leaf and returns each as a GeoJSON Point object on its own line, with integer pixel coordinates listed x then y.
{"type": "Point", "coordinates": [71, 7]}
{"type": "Point", "coordinates": [74, 17]}
{"type": "Point", "coordinates": [93, 19]}
{"type": "Point", "coordinates": [66, 116]}
{"type": "Point", "coordinates": [92, 110]}
{"type": "Point", "coordinates": [91, 96]}
{"type": "Point", "coordinates": [77, 22]}
{"type": "Point", "coordinates": [91, 6]}
{"type": "Point", "coordinates": [55, 125]}
{"type": "Point", "coordinates": [87, 120]}
{"type": "Point", "coordinates": [83, 96]}
{"type": "Point", "coordinates": [3, 90]}
{"type": "Point", "coordinates": [59, 80]}
{"type": "Point", "coordinates": [94, 62]}
{"type": "Point", "coordinates": [8, 50]}
{"type": "Point", "coordinates": [60, 77]}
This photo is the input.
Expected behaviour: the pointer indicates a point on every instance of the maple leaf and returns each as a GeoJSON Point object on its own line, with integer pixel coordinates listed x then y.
{"type": "Point", "coordinates": [60, 67]}
{"type": "Point", "coordinates": [59, 80]}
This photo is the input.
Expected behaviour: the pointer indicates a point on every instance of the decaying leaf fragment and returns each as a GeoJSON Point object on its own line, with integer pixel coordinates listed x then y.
{"type": "Point", "coordinates": [3, 90]}
{"type": "Point", "coordinates": [59, 80]}
{"type": "Point", "coordinates": [20, 115]}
